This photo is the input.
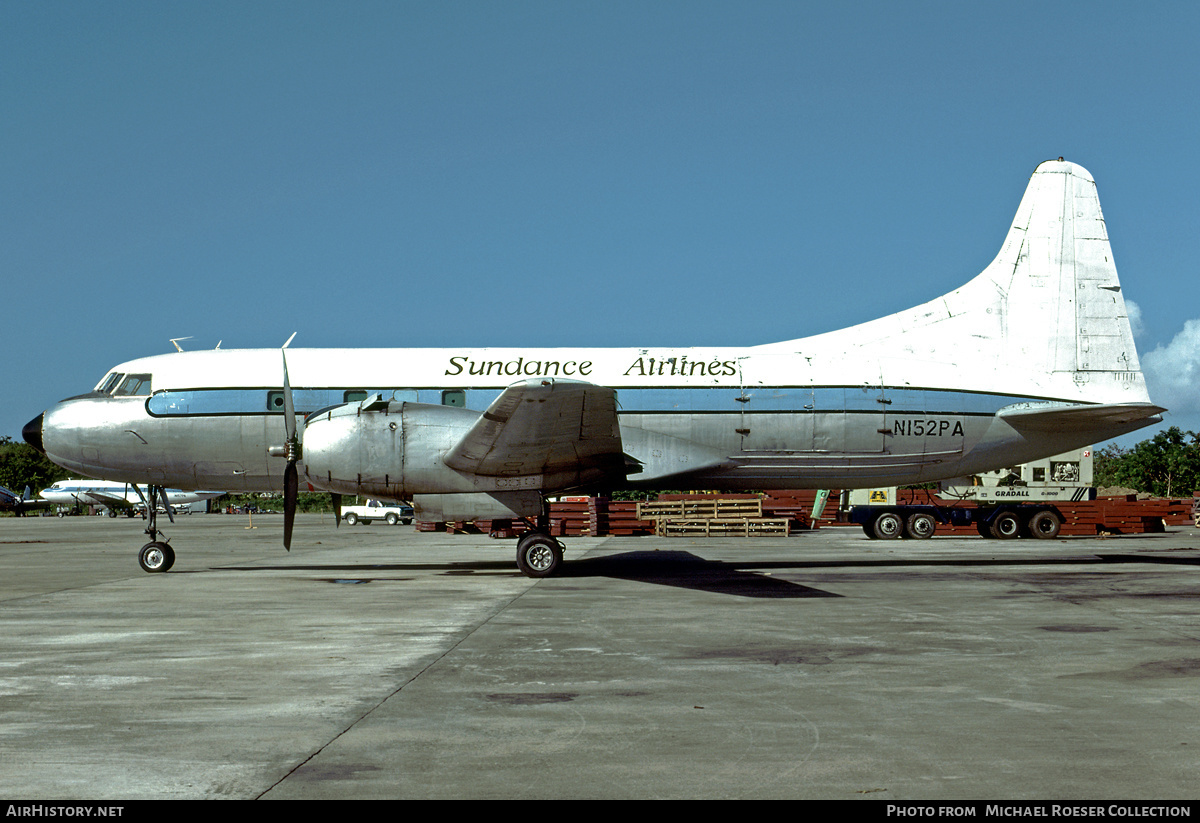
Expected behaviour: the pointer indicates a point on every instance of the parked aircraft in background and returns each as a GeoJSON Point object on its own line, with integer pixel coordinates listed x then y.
{"type": "Point", "coordinates": [1031, 358]}
{"type": "Point", "coordinates": [115, 495]}
{"type": "Point", "coordinates": [20, 503]}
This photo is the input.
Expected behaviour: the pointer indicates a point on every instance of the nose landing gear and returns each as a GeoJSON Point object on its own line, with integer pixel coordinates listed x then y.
{"type": "Point", "coordinates": [156, 556]}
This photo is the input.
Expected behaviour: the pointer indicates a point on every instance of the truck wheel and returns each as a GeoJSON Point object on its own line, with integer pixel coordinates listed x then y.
{"type": "Point", "coordinates": [392, 519]}
{"type": "Point", "coordinates": [920, 526]}
{"type": "Point", "coordinates": [1044, 525]}
{"type": "Point", "coordinates": [351, 519]}
{"type": "Point", "coordinates": [1006, 526]}
{"type": "Point", "coordinates": [889, 526]}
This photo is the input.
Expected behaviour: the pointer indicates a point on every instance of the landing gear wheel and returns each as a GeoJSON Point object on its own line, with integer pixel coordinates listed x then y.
{"type": "Point", "coordinates": [539, 555]}
{"type": "Point", "coordinates": [920, 526]}
{"type": "Point", "coordinates": [1006, 526]}
{"type": "Point", "coordinates": [888, 526]}
{"type": "Point", "coordinates": [156, 557]}
{"type": "Point", "coordinates": [1044, 525]}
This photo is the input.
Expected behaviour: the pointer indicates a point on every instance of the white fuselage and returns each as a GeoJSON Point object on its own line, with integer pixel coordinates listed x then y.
{"type": "Point", "coordinates": [1032, 357]}
{"type": "Point", "coordinates": [108, 492]}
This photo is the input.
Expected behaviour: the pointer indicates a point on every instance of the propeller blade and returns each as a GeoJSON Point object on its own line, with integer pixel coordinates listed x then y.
{"type": "Point", "coordinates": [291, 477]}
{"type": "Point", "coordinates": [289, 408]}
{"type": "Point", "coordinates": [166, 503]}
{"type": "Point", "coordinates": [337, 509]}
{"type": "Point", "coordinates": [291, 484]}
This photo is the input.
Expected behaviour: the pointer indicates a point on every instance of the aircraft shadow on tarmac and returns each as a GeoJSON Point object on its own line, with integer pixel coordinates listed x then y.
{"type": "Point", "coordinates": [683, 569]}
{"type": "Point", "coordinates": [665, 568]}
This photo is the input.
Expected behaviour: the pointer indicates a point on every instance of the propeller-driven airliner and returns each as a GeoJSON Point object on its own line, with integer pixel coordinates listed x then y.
{"type": "Point", "coordinates": [1031, 358]}
{"type": "Point", "coordinates": [115, 495]}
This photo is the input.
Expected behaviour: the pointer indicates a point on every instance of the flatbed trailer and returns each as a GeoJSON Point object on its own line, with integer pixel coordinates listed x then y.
{"type": "Point", "coordinates": [1002, 521]}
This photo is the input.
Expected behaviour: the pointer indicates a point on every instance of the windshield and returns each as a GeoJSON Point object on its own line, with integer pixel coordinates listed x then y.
{"type": "Point", "coordinates": [109, 383]}
{"type": "Point", "coordinates": [133, 384]}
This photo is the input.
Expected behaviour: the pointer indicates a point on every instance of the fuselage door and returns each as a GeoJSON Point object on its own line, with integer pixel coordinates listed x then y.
{"type": "Point", "coordinates": [775, 418]}
{"type": "Point", "coordinates": [851, 420]}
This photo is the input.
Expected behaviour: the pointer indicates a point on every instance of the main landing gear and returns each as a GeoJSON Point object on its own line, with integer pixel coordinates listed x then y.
{"type": "Point", "coordinates": [539, 554]}
{"type": "Point", "coordinates": [156, 556]}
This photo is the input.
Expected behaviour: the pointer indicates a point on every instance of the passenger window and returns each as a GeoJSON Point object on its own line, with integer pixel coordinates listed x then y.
{"type": "Point", "coordinates": [134, 384]}
{"type": "Point", "coordinates": [275, 401]}
{"type": "Point", "coordinates": [454, 397]}
{"type": "Point", "coordinates": [354, 396]}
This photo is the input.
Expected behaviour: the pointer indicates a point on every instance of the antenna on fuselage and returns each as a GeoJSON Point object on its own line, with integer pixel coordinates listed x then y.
{"type": "Point", "coordinates": [175, 342]}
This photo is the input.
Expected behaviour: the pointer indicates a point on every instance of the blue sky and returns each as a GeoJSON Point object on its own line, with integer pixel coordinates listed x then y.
{"type": "Point", "coordinates": [565, 173]}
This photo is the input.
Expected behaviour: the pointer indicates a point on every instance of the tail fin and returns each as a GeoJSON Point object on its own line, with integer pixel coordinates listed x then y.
{"type": "Point", "coordinates": [1045, 319]}
{"type": "Point", "coordinates": [1056, 272]}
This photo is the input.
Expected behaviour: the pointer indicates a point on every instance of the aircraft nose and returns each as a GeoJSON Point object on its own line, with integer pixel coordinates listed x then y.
{"type": "Point", "coordinates": [33, 432]}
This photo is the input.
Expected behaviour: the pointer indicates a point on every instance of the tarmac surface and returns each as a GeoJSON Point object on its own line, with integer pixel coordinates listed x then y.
{"type": "Point", "coordinates": [379, 662]}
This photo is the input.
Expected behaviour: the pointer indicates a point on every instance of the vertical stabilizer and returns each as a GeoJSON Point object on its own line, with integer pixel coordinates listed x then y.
{"type": "Point", "coordinates": [1046, 318]}
{"type": "Point", "coordinates": [1056, 276]}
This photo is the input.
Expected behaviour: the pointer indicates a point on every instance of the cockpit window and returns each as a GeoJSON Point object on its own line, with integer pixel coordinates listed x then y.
{"type": "Point", "coordinates": [133, 384]}
{"type": "Point", "coordinates": [109, 383]}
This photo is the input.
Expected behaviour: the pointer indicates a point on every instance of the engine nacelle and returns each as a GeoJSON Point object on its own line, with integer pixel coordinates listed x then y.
{"type": "Point", "coordinates": [387, 450]}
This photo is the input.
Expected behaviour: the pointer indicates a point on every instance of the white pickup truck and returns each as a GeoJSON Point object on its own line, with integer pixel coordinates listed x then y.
{"type": "Point", "coordinates": [390, 513]}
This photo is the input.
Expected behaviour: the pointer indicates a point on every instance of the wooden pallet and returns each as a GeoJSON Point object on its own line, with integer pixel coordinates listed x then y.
{"type": "Point", "coordinates": [724, 527]}
{"type": "Point", "coordinates": [717, 507]}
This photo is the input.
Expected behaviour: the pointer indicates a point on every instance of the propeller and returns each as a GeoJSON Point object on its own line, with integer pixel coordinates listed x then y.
{"type": "Point", "coordinates": [337, 509]}
{"type": "Point", "coordinates": [292, 451]}
{"type": "Point", "coordinates": [166, 503]}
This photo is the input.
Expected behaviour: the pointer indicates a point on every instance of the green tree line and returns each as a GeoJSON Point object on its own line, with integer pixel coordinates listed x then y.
{"type": "Point", "coordinates": [22, 465]}
{"type": "Point", "coordinates": [1166, 465]}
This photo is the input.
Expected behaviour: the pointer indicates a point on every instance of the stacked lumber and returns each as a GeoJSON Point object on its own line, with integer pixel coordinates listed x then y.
{"type": "Point", "coordinates": [616, 517]}
{"type": "Point", "coordinates": [711, 516]}
{"type": "Point", "coordinates": [797, 505]}
{"type": "Point", "coordinates": [578, 517]}
{"type": "Point", "coordinates": [782, 512]}
{"type": "Point", "coordinates": [1124, 514]}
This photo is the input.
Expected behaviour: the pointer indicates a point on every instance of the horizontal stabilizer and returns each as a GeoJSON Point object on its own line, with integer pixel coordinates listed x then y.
{"type": "Point", "coordinates": [1056, 417]}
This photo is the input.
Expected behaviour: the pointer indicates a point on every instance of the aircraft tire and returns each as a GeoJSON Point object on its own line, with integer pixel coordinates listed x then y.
{"type": "Point", "coordinates": [889, 526]}
{"type": "Point", "coordinates": [1006, 526]}
{"type": "Point", "coordinates": [1044, 525]}
{"type": "Point", "coordinates": [920, 526]}
{"type": "Point", "coordinates": [351, 519]}
{"type": "Point", "coordinates": [539, 555]}
{"type": "Point", "coordinates": [156, 558]}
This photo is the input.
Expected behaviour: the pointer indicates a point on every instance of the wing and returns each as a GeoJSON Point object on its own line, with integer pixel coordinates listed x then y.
{"type": "Point", "coordinates": [102, 499]}
{"type": "Point", "coordinates": [563, 430]}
